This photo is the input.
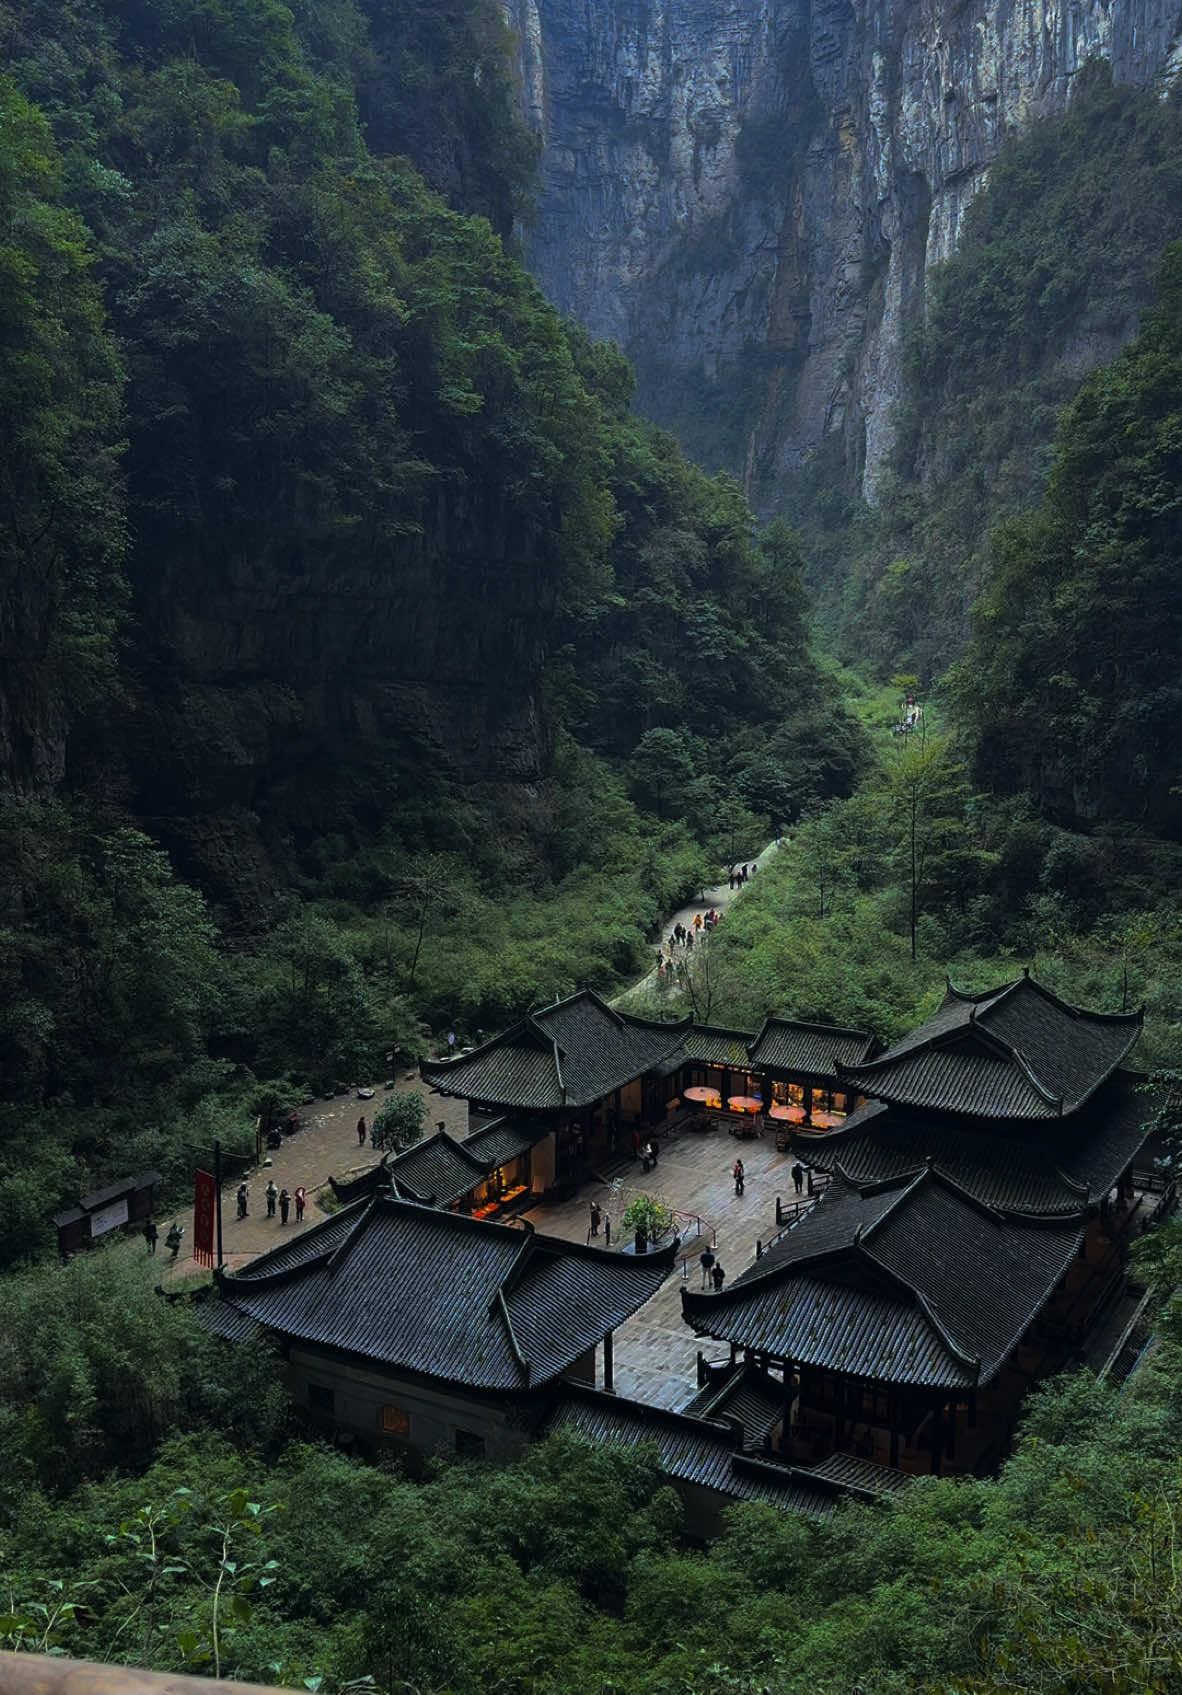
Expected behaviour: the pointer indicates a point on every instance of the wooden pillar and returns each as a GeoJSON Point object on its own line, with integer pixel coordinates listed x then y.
{"type": "Point", "coordinates": [950, 1450]}
{"type": "Point", "coordinates": [808, 1103]}
{"type": "Point", "coordinates": [609, 1379]}
{"type": "Point", "coordinates": [895, 1436]}
{"type": "Point", "coordinates": [937, 1440]}
{"type": "Point", "coordinates": [972, 1409]}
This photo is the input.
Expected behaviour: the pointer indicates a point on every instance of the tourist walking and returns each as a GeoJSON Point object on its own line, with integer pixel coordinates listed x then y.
{"type": "Point", "coordinates": [718, 1277]}
{"type": "Point", "coordinates": [272, 1195]}
{"type": "Point", "coordinates": [697, 920]}
{"type": "Point", "coordinates": [798, 1177]}
{"type": "Point", "coordinates": [243, 1200]}
{"type": "Point", "coordinates": [284, 1205]}
{"type": "Point", "coordinates": [706, 1261]}
{"type": "Point", "coordinates": [151, 1234]}
{"type": "Point", "coordinates": [739, 1175]}
{"type": "Point", "coordinates": [596, 1216]}
{"type": "Point", "coordinates": [175, 1235]}
{"type": "Point", "coordinates": [301, 1199]}
{"type": "Point", "coordinates": [361, 1130]}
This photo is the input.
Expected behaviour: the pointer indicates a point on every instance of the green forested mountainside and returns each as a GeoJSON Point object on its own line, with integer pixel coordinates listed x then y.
{"type": "Point", "coordinates": [565, 1570]}
{"type": "Point", "coordinates": [1071, 683]}
{"type": "Point", "coordinates": [1057, 259]}
{"type": "Point", "coordinates": [338, 580]}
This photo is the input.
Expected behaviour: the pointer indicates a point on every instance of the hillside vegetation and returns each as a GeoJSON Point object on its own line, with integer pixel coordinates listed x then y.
{"type": "Point", "coordinates": [350, 618]}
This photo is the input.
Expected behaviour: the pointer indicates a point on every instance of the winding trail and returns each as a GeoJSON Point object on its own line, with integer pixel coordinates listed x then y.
{"type": "Point", "coordinates": [720, 897]}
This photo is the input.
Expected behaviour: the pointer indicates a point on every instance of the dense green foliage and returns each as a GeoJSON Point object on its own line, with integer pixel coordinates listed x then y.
{"type": "Point", "coordinates": [875, 900]}
{"type": "Point", "coordinates": [331, 388]}
{"type": "Point", "coordinates": [1071, 683]}
{"type": "Point", "coordinates": [61, 537]}
{"type": "Point", "coordinates": [565, 1570]}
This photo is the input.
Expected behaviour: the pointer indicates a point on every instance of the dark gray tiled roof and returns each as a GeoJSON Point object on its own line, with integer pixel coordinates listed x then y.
{"type": "Point", "coordinates": [570, 1054]}
{"type": "Point", "coordinates": [435, 1294]}
{"type": "Point", "coordinates": [692, 1450]}
{"type": "Point", "coordinates": [815, 1322]}
{"type": "Point", "coordinates": [816, 1049]}
{"type": "Point", "coordinates": [1016, 1052]}
{"type": "Point", "coordinates": [439, 1170]}
{"type": "Point", "coordinates": [754, 1398]}
{"type": "Point", "coordinates": [1056, 1167]}
{"type": "Point", "coordinates": [999, 1170]}
{"type": "Point", "coordinates": [710, 1044]}
{"type": "Point", "coordinates": [912, 1284]}
{"type": "Point", "coordinates": [99, 1197]}
{"type": "Point", "coordinates": [1098, 1143]}
{"type": "Point", "coordinates": [498, 1143]}
{"type": "Point", "coordinates": [862, 1477]}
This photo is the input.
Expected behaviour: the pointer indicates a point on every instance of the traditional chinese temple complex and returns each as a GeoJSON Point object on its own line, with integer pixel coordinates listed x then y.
{"type": "Point", "coordinates": [972, 1237]}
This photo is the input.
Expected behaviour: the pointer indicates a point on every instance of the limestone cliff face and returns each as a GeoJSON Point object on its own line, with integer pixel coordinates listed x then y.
{"type": "Point", "coordinates": [746, 194]}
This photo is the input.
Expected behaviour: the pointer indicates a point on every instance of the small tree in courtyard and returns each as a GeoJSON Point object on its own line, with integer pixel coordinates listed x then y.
{"type": "Point", "coordinates": [399, 1121]}
{"type": "Point", "coordinates": [649, 1216]}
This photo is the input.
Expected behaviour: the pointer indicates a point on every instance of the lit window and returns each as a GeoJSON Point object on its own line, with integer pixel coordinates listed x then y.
{"type": "Point", "coordinates": [395, 1422]}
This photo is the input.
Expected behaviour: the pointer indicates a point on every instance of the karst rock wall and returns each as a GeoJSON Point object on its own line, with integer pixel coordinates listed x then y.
{"type": "Point", "coordinates": [746, 194]}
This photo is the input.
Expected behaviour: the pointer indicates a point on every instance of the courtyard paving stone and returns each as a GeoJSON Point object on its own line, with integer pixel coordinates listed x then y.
{"type": "Point", "coordinates": [655, 1352]}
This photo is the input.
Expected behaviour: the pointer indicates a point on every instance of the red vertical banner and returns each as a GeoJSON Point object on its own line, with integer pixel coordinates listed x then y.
{"type": "Point", "coordinates": [205, 1202]}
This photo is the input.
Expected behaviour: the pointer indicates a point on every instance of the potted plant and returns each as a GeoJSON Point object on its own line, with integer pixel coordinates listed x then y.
{"type": "Point", "coordinates": [650, 1219]}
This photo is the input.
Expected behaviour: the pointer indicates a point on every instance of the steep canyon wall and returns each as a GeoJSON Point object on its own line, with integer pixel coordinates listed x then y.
{"type": "Point", "coordinates": [746, 194]}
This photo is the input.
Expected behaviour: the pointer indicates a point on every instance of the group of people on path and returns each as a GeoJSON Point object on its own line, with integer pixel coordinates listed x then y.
{"type": "Point", "coordinates": [712, 1271]}
{"type": "Point", "coordinates": [740, 873]}
{"type": "Point", "coordinates": [681, 938]}
{"type": "Point", "coordinates": [277, 1199]}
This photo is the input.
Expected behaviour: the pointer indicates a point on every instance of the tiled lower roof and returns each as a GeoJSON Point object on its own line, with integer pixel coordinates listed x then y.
{"type": "Point", "coordinates": [817, 1050]}
{"type": "Point", "coordinates": [693, 1450]}
{"type": "Point", "coordinates": [710, 1044]}
{"type": "Point", "coordinates": [1051, 1168]}
{"type": "Point", "coordinates": [438, 1170]}
{"type": "Point", "coordinates": [431, 1293]}
{"type": "Point", "coordinates": [863, 1477]}
{"type": "Point", "coordinates": [914, 1283]}
{"type": "Point", "coordinates": [498, 1143]}
{"type": "Point", "coordinates": [756, 1400]}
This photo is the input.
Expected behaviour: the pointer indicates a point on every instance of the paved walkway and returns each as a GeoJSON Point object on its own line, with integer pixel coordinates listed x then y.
{"type": "Point", "coordinates": [720, 898]}
{"type": "Point", "coordinates": [327, 1145]}
{"type": "Point", "coordinates": [655, 1352]}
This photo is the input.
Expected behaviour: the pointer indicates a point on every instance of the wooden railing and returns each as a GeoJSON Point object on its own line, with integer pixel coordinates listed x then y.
{"type": "Point", "coordinates": [38, 1674]}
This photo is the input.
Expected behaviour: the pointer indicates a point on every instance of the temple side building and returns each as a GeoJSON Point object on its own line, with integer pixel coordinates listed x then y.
{"type": "Point", "coordinates": [423, 1329]}
{"type": "Point", "coordinates": [573, 1081]}
{"type": "Point", "coordinates": [974, 1233]}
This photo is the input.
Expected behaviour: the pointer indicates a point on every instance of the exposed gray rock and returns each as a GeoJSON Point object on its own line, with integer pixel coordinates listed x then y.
{"type": "Point", "coordinates": [746, 194]}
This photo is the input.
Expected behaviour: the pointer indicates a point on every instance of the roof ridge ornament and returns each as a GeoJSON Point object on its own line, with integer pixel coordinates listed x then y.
{"type": "Point", "coordinates": [516, 1271]}
{"type": "Point", "coordinates": [501, 1306]}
